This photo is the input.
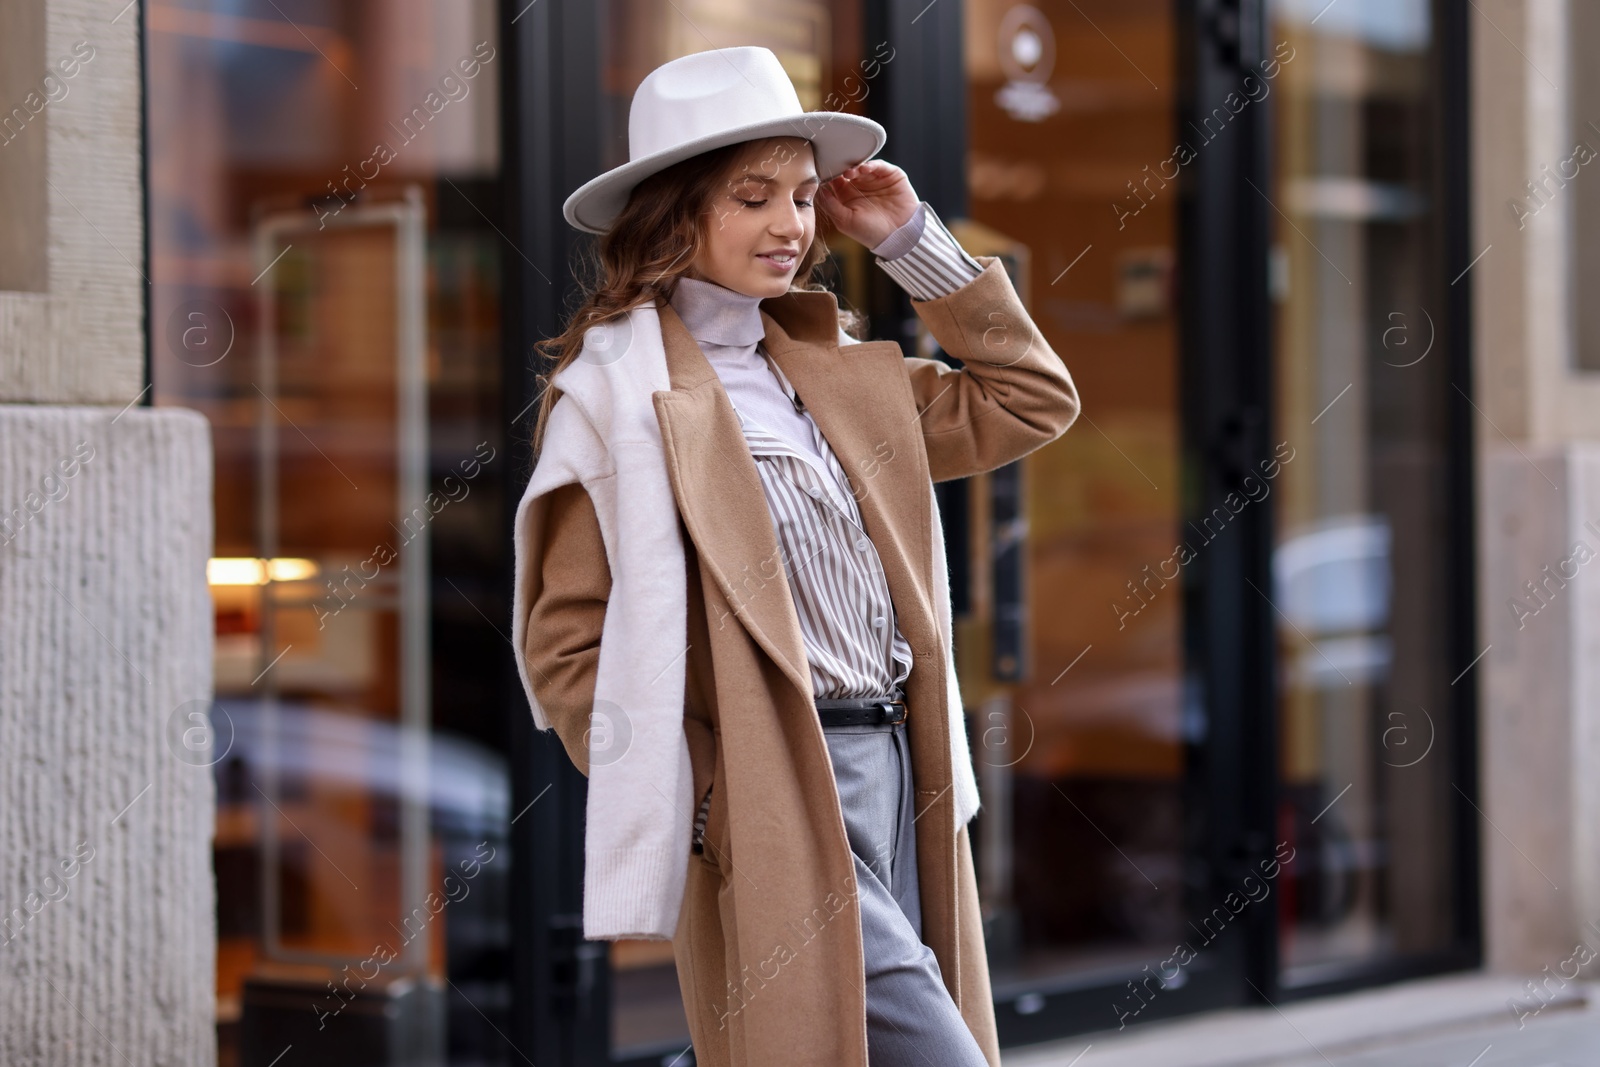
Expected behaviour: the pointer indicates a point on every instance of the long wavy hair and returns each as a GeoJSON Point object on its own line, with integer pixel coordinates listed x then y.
{"type": "Point", "coordinates": [653, 243]}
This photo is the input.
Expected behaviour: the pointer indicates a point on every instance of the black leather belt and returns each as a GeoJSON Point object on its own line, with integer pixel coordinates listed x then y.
{"type": "Point", "coordinates": [862, 711]}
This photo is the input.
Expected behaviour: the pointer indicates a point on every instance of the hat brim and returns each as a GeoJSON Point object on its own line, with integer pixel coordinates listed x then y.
{"type": "Point", "coordinates": [838, 142]}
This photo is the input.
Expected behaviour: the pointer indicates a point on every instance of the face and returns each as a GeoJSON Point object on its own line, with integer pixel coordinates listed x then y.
{"type": "Point", "coordinates": [761, 219]}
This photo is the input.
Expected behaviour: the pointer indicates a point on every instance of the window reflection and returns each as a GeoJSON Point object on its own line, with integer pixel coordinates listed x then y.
{"type": "Point", "coordinates": [1360, 571]}
{"type": "Point", "coordinates": [326, 292]}
{"type": "Point", "coordinates": [1081, 753]}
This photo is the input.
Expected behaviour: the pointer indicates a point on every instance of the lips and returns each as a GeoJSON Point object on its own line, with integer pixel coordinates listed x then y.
{"type": "Point", "coordinates": [781, 260]}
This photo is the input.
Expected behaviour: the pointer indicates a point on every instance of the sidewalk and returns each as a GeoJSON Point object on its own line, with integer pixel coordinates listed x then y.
{"type": "Point", "coordinates": [1459, 1021]}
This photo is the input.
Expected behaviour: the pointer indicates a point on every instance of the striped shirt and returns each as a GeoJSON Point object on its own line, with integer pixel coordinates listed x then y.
{"type": "Point", "coordinates": [853, 642]}
{"type": "Point", "coordinates": [835, 576]}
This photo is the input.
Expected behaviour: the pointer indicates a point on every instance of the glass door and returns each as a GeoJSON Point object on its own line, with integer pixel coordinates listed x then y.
{"type": "Point", "coordinates": [1372, 625]}
{"type": "Point", "coordinates": [326, 292]}
{"type": "Point", "coordinates": [1084, 705]}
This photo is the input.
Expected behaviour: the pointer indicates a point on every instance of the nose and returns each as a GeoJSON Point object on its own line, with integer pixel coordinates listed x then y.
{"type": "Point", "coordinates": [789, 224]}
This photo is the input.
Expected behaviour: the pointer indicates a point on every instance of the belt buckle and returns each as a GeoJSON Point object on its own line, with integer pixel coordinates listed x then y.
{"type": "Point", "coordinates": [894, 718]}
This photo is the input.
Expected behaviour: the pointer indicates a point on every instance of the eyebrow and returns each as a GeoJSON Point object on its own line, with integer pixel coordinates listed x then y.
{"type": "Point", "coordinates": [810, 179]}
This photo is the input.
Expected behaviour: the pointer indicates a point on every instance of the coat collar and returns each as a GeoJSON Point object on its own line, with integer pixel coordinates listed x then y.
{"type": "Point", "coordinates": [718, 489]}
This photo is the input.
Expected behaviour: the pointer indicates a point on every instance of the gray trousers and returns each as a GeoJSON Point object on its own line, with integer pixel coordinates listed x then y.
{"type": "Point", "coordinates": [911, 1020]}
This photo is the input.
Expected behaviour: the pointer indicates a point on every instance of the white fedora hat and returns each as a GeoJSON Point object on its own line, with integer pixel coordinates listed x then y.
{"type": "Point", "coordinates": [708, 100]}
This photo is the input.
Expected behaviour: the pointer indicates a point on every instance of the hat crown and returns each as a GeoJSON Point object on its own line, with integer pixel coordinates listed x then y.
{"type": "Point", "coordinates": [708, 100]}
{"type": "Point", "coordinates": [702, 94]}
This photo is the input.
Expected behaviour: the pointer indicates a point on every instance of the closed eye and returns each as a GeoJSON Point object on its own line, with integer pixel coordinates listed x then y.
{"type": "Point", "coordinates": [759, 203]}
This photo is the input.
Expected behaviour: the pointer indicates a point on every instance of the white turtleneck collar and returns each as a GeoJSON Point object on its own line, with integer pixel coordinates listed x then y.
{"type": "Point", "coordinates": [717, 315]}
{"type": "Point", "coordinates": [727, 326]}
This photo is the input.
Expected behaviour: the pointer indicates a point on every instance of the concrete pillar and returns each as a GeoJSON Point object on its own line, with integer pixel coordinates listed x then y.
{"type": "Point", "coordinates": [1540, 603]}
{"type": "Point", "coordinates": [107, 910]}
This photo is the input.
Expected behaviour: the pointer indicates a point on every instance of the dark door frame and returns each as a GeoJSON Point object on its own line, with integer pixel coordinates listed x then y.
{"type": "Point", "coordinates": [1227, 396]}
{"type": "Point", "coordinates": [551, 127]}
{"type": "Point", "coordinates": [550, 95]}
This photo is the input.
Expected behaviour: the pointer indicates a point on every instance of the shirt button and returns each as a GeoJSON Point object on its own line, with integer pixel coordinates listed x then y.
{"type": "Point", "coordinates": [815, 492]}
{"type": "Point", "coordinates": [880, 622]}
{"type": "Point", "coordinates": [863, 544]}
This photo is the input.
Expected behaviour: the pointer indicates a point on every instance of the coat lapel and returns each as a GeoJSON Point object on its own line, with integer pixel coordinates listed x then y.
{"type": "Point", "coordinates": [721, 502]}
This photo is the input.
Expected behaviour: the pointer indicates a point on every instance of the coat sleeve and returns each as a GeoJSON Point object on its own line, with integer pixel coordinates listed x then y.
{"type": "Point", "coordinates": [1013, 395]}
{"type": "Point", "coordinates": [567, 615]}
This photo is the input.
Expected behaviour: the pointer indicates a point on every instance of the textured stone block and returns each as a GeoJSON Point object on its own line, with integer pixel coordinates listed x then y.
{"type": "Point", "coordinates": [107, 911]}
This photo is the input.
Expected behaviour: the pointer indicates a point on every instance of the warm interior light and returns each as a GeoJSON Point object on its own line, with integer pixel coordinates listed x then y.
{"type": "Point", "coordinates": [289, 569]}
{"type": "Point", "coordinates": [235, 571]}
{"type": "Point", "coordinates": [249, 570]}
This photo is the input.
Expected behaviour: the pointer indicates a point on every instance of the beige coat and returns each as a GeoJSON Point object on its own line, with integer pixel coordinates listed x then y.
{"type": "Point", "coordinates": [768, 946]}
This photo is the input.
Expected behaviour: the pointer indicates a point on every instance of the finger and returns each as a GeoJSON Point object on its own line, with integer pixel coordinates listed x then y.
{"type": "Point", "coordinates": [828, 200]}
{"type": "Point", "coordinates": [877, 177]}
{"type": "Point", "coordinates": [842, 192]}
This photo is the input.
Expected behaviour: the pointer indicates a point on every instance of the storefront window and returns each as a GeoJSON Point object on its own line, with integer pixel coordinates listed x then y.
{"type": "Point", "coordinates": [325, 289]}
{"type": "Point", "coordinates": [1362, 583]}
{"type": "Point", "coordinates": [1081, 747]}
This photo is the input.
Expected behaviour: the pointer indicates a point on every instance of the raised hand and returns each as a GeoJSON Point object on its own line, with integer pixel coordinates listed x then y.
{"type": "Point", "coordinates": [869, 201]}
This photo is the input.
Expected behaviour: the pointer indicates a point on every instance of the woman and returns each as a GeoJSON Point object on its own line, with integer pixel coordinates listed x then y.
{"type": "Point", "coordinates": [760, 485]}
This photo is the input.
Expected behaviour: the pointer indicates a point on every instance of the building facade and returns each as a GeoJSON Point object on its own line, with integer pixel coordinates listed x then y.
{"type": "Point", "coordinates": [1277, 667]}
